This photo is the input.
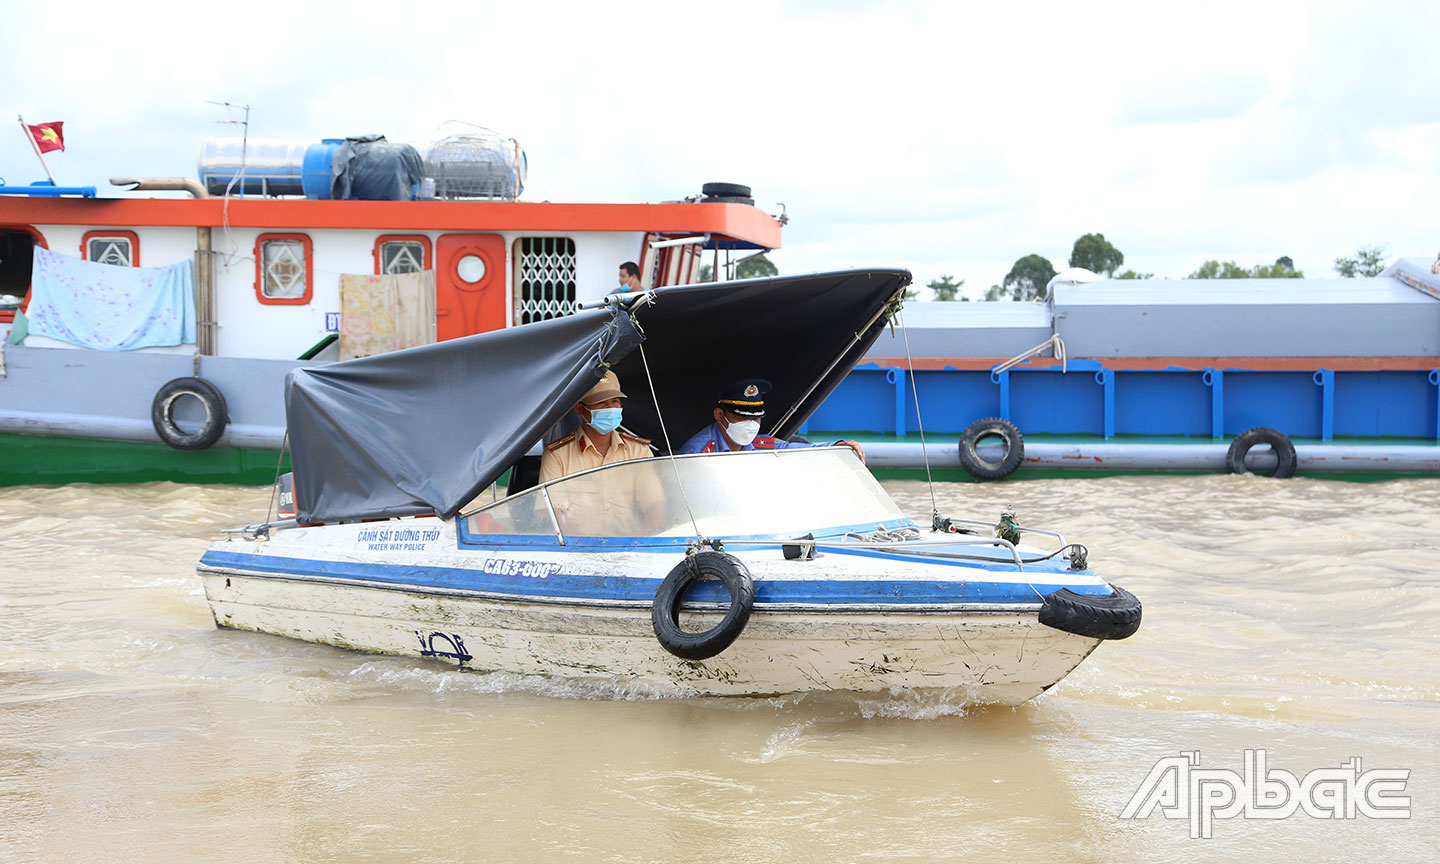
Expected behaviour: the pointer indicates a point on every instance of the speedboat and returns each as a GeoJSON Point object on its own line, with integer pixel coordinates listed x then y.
{"type": "Point", "coordinates": [734, 573]}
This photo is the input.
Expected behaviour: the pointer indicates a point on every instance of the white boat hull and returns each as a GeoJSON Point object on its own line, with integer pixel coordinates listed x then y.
{"type": "Point", "coordinates": [1004, 657]}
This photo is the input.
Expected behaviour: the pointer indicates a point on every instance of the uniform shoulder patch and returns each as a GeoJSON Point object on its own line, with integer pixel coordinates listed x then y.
{"type": "Point", "coordinates": [764, 442]}
{"type": "Point", "coordinates": [635, 438]}
{"type": "Point", "coordinates": [560, 442]}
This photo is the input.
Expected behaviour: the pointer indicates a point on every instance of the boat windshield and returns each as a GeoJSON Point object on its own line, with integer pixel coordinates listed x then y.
{"type": "Point", "coordinates": [781, 493]}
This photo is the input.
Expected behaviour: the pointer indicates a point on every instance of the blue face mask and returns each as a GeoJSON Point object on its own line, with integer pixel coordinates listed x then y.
{"type": "Point", "coordinates": [605, 420]}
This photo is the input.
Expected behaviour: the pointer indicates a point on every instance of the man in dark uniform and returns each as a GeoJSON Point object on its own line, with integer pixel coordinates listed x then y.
{"type": "Point", "coordinates": [738, 412]}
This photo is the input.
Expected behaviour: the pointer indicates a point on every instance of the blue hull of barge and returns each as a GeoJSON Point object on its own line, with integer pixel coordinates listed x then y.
{"type": "Point", "coordinates": [1091, 399]}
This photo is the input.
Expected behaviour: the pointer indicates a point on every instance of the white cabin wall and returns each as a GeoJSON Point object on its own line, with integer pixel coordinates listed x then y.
{"type": "Point", "coordinates": [598, 256]}
{"type": "Point", "coordinates": [248, 328]}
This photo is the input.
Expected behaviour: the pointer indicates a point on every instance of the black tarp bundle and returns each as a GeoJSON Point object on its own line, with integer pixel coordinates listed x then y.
{"type": "Point", "coordinates": [369, 168]}
{"type": "Point", "coordinates": [427, 429]}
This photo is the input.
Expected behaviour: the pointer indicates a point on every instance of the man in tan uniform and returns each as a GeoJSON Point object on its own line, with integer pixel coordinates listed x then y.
{"type": "Point", "coordinates": [619, 502]}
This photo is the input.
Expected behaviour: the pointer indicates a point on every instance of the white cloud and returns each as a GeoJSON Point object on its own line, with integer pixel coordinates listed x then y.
{"type": "Point", "coordinates": [945, 137]}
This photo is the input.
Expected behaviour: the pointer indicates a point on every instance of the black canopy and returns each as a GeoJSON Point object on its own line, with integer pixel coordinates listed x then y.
{"type": "Point", "coordinates": [425, 430]}
{"type": "Point", "coordinates": [802, 333]}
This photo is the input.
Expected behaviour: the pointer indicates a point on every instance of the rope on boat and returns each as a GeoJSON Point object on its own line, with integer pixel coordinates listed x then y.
{"type": "Point", "coordinates": [919, 423]}
{"type": "Point", "coordinates": [886, 535]}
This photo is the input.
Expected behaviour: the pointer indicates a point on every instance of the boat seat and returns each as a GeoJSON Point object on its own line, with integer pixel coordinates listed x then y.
{"type": "Point", "coordinates": [524, 474]}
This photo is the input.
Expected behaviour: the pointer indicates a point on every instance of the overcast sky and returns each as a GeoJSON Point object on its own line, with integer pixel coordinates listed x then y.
{"type": "Point", "coordinates": [949, 138]}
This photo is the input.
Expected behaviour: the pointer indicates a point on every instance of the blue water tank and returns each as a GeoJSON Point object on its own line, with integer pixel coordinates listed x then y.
{"type": "Point", "coordinates": [315, 174]}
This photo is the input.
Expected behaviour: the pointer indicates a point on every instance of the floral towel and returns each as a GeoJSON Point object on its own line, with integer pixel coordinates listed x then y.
{"type": "Point", "coordinates": [108, 307]}
{"type": "Point", "coordinates": [386, 313]}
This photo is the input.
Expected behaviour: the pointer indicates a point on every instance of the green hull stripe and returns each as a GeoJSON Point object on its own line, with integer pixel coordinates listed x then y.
{"type": "Point", "coordinates": [36, 459]}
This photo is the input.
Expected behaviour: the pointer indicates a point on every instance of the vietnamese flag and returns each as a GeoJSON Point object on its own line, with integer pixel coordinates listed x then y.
{"type": "Point", "coordinates": [48, 136]}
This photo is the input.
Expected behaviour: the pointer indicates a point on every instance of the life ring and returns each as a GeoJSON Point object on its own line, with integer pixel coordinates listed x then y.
{"type": "Point", "coordinates": [162, 414]}
{"type": "Point", "coordinates": [665, 615]}
{"type": "Point", "coordinates": [1284, 451]}
{"type": "Point", "coordinates": [1116, 616]}
{"type": "Point", "coordinates": [991, 427]}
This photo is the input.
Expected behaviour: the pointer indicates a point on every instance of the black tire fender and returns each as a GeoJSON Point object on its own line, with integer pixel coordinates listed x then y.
{"type": "Point", "coordinates": [665, 615]}
{"type": "Point", "coordinates": [991, 427]}
{"type": "Point", "coordinates": [727, 199]}
{"type": "Point", "coordinates": [725, 190]}
{"type": "Point", "coordinates": [162, 413]}
{"type": "Point", "coordinates": [1286, 463]}
{"type": "Point", "coordinates": [1116, 616]}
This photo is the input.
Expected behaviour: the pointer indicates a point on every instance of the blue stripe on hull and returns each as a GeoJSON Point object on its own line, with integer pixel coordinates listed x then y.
{"type": "Point", "coordinates": [593, 587]}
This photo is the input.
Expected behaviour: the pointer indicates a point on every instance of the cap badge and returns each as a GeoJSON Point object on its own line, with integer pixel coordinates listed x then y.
{"type": "Point", "coordinates": [752, 390]}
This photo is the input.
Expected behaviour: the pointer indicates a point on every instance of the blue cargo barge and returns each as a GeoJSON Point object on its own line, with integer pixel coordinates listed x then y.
{"type": "Point", "coordinates": [1129, 371]}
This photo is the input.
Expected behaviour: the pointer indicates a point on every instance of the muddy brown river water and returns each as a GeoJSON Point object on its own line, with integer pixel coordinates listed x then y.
{"type": "Point", "coordinates": [1294, 617]}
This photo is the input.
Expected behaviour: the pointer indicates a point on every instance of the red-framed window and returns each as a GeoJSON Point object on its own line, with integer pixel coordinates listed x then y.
{"type": "Point", "coordinates": [16, 264]}
{"type": "Point", "coordinates": [284, 271]}
{"type": "Point", "coordinates": [121, 248]}
{"type": "Point", "coordinates": [401, 253]}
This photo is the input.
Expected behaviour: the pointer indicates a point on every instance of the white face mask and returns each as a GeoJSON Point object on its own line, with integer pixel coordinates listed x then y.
{"type": "Point", "coordinates": [742, 432]}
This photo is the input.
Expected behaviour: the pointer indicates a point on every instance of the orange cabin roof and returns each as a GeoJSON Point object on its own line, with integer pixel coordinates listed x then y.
{"type": "Point", "coordinates": [737, 221]}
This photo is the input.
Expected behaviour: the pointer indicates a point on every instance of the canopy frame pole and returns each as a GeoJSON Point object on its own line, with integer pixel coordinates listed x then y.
{"type": "Point", "coordinates": [836, 362]}
{"type": "Point", "coordinates": [669, 448]}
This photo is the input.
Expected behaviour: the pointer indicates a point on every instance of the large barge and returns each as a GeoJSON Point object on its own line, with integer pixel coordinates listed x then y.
{"type": "Point", "coordinates": [279, 269]}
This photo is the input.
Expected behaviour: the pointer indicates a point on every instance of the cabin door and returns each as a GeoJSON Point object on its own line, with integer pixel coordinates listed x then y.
{"type": "Point", "coordinates": [17, 254]}
{"type": "Point", "coordinates": [470, 292]}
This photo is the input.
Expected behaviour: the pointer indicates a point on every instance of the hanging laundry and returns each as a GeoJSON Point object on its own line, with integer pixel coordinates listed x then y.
{"type": "Point", "coordinates": [110, 308]}
{"type": "Point", "coordinates": [386, 313]}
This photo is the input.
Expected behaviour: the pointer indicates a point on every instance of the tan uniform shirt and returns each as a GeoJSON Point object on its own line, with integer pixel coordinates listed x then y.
{"type": "Point", "coordinates": [575, 453]}
{"type": "Point", "coordinates": [616, 503]}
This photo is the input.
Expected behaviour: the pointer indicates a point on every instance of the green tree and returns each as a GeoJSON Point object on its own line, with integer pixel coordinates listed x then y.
{"type": "Point", "coordinates": [1283, 268]}
{"type": "Point", "coordinates": [1213, 269]}
{"type": "Point", "coordinates": [756, 267]}
{"type": "Point", "coordinates": [945, 287]}
{"type": "Point", "coordinates": [1027, 279]}
{"type": "Point", "coordinates": [1368, 261]}
{"type": "Point", "coordinates": [1131, 274]}
{"type": "Point", "coordinates": [995, 292]}
{"type": "Point", "coordinates": [1096, 254]}
{"type": "Point", "coordinates": [707, 273]}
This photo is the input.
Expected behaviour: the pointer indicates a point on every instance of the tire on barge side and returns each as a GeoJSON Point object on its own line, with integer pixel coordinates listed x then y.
{"type": "Point", "coordinates": [991, 427]}
{"type": "Point", "coordinates": [1286, 460]}
{"type": "Point", "coordinates": [162, 413]}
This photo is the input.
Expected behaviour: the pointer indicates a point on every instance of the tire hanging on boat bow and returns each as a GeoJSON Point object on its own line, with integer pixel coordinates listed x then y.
{"type": "Point", "coordinates": [1115, 616]}
{"type": "Point", "coordinates": [665, 615]}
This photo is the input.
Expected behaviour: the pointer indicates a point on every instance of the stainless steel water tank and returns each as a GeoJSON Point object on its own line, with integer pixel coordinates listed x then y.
{"type": "Point", "coordinates": [272, 167]}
